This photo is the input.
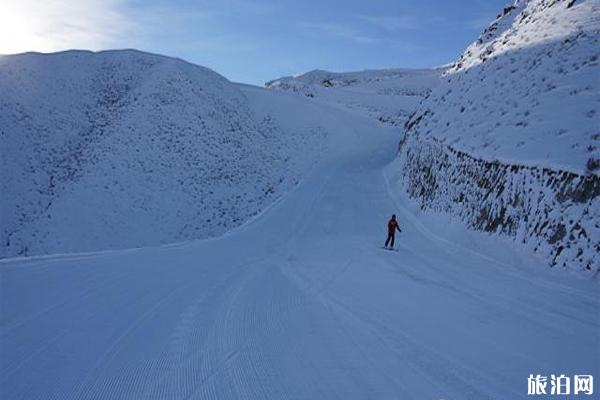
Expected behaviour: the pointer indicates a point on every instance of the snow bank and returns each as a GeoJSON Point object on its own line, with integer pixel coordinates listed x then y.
{"type": "Point", "coordinates": [122, 149]}
{"type": "Point", "coordinates": [509, 140]}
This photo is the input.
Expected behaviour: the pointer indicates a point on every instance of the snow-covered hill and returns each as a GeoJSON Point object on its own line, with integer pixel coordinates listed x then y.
{"type": "Point", "coordinates": [389, 95]}
{"type": "Point", "coordinates": [121, 149]}
{"type": "Point", "coordinates": [302, 303]}
{"type": "Point", "coordinates": [510, 141]}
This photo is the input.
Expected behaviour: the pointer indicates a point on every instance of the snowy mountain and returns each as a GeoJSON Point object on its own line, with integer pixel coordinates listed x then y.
{"type": "Point", "coordinates": [300, 303]}
{"type": "Point", "coordinates": [510, 141]}
{"type": "Point", "coordinates": [389, 95]}
{"type": "Point", "coordinates": [121, 149]}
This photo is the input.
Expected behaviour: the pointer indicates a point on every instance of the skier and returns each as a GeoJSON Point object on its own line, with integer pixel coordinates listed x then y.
{"type": "Point", "coordinates": [392, 226]}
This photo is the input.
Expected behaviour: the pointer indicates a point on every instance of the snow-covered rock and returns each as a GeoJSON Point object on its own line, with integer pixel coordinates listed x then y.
{"type": "Point", "coordinates": [122, 149]}
{"type": "Point", "coordinates": [510, 140]}
{"type": "Point", "coordinates": [389, 95]}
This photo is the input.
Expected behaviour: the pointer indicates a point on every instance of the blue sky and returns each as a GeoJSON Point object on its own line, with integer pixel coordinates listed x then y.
{"type": "Point", "coordinates": [253, 41]}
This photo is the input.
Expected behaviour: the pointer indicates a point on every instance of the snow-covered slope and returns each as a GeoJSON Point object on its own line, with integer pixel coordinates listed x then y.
{"type": "Point", "coordinates": [121, 149]}
{"type": "Point", "coordinates": [302, 303]}
{"type": "Point", "coordinates": [388, 95]}
{"type": "Point", "coordinates": [527, 90]}
{"type": "Point", "coordinates": [510, 141]}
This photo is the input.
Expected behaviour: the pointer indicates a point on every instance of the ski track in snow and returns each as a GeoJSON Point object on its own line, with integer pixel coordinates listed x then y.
{"type": "Point", "coordinates": [301, 303]}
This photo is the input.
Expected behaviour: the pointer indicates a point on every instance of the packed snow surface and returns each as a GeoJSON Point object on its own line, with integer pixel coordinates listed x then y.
{"type": "Point", "coordinates": [301, 303]}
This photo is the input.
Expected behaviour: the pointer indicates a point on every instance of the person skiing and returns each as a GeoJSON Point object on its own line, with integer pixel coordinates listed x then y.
{"type": "Point", "coordinates": [392, 226]}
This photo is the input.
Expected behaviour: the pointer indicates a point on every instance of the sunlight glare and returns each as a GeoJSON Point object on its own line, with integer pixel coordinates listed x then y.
{"type": "Point", "coordinates": [18, 30]}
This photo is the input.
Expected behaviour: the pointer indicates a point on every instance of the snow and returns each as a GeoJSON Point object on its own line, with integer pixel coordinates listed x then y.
{"type": "Point", "coordinates": [288, 294]}
{"type": "Point", "coordinates": [389, 95]}
{"type": "Point", "coordinates": [527, 90]}
{"type": "Point", "coordinates": [300, 303]}
{"type": "Point", "coordinates": [508, 141]}
{"type": "Point", "coordinates": [121, 149]}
